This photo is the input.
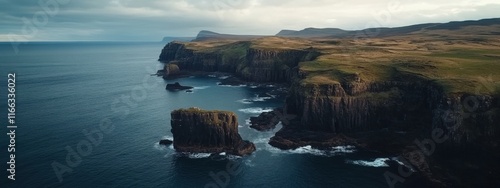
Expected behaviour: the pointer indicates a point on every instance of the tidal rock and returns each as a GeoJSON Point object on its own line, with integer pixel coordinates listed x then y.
{"type": "Point", "coordinates": [176, 86]}
{"type": "Point", "coordinates": [202, 131]}
{"type": "Point", "coordinates": [266, 120]}
{"type": "Point", "coordinates": [166, 142]}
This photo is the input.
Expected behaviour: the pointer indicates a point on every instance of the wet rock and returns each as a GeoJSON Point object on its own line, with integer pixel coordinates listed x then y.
{"type": "Point", "coordinates": [176, 86]}
{"type": "Point", "coordinates": [166, 142]}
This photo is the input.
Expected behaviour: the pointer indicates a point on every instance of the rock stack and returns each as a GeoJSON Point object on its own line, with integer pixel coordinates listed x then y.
{"type": "Point", "coordinates": [201, 131]}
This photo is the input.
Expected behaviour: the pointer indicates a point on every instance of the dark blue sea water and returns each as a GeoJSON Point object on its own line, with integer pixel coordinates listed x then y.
{"type": "Point", "coordinates": [64, 89]}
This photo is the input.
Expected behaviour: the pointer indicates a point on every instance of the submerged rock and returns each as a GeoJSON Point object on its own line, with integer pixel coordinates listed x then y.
{"type": "Point", "coordinates": [202, 131]}
{"type": "Point", "coordinates": [176, 86]}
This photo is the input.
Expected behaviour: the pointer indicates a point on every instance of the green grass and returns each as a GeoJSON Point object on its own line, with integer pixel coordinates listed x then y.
{"type": "Point", "coordinates": [458, 66]}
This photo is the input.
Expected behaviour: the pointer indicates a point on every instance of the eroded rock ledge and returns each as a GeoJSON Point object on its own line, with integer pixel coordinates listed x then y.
{"type": "Point", "coordinates": [201, 131]}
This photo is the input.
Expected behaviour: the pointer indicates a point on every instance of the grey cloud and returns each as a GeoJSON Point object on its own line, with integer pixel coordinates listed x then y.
{"type": "Point", "coordinates": [151, 20]}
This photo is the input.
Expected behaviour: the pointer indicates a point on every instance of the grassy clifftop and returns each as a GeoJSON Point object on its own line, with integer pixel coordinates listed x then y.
{"type": "Point", "coordinates": [458, 61]}
{"type": "Point", "coordinates": [459, 64]}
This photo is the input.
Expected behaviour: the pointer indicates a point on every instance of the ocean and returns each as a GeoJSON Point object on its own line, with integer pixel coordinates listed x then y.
{"type": "Point", "coordinates": [99, 100]}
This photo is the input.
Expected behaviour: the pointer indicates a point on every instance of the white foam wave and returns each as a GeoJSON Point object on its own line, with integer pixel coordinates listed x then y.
{"type": "Point", "coordinates": [223, 77]}
{"type": "Point", "coordinates": [201, 87]}
{"type": "Point", "coordinates": [160, 147]}
{"type": "Point", "coordinates": [260, 99]}
{"type": "Point", "coordinates": [253, 87]}
{"type": "Point", "coordinates": [245, 101]}
{"type": "Point", "coordinates": [157, 146]}
{"type": "Point", "coordinates": [308, 150]}
{"type": "Point", "coordinates": [241, 85]}
{"type": "Point", "coordinates": [378, 162]}
{"type": "Point", "coordinates": [261, 141]}
{"type": "Point", "coordinates": [255, 110]}
{"type": "Point", "coordinates": [167, 138]}
{"type": "Point", "coordinates": [257, 98]}
{"type": "Point", "coordinates": [198, 155]}
{"type": "Point", "coordinates": [247, 121]}
{"type": "Point", "coordinates": [344, 149]}
{"type": "Point", "coordinates": [233, 157]}
{"type": "Point", "coordinates": [212, 75]}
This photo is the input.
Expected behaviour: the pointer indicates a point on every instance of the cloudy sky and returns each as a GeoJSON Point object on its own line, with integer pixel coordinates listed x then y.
{"type": "Point", "coordinates": [151, 20]}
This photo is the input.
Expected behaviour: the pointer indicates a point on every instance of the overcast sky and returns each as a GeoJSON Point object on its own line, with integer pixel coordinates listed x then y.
{"type": "Point", "coordinates": [143, 20]}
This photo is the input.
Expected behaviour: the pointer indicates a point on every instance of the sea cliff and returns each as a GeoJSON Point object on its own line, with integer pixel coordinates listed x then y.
{"type": "Point", "coordinates": [201, 131]}
{"type": "Point", "coordinates": [240, 59]}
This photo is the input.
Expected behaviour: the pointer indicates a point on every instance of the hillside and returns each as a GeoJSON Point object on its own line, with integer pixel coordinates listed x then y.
{"type": "Point", "coordinates": [385, 31]}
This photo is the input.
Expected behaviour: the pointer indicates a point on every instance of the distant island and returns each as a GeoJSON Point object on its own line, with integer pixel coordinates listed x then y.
{"type": "Point", "coordinates": [428, 93]}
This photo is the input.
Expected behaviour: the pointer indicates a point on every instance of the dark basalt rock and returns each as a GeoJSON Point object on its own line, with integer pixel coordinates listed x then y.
{"type": "Point", "coordinates": [176, 86]}
{"type": "Point", "coordinates": [288, 138]}
{"type": "Point", "coordinates": [202, 131]}
{"type": "Point", "coordinates": [266, 121]}
{"type": "Point", "coordinates": [166, 142]}
{"type": "Point", "coordinates": [232, 81]}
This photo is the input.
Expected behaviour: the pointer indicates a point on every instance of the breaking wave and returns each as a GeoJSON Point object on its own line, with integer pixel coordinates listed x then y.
{"type": "Point", "coordinates": [223, 77]}
{"type": "Point", "coordinates": [256, 110]}
{"type": "Point", "coordinates": [198, 155]}
{"type": "Point", "coordinates": [201, 87]}
{"type": "Point", "coordinates": [247, 121]}
{"type": "Point", "coordinates": [257, 98]}
{"type": "Point", "coordinates": [378, 162]}
{"type": "Point", "coordinates": [241, 85]}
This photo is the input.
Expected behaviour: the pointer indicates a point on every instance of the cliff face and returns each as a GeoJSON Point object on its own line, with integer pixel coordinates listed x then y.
{"type": "Point", "coordinates": [250, 64]}
{"type": "Point", "coordinates": [196, 130]}
{"type": "Point", "coordinates": [471, 121]}
{"type": "Point", "coordinates": [354, 106]}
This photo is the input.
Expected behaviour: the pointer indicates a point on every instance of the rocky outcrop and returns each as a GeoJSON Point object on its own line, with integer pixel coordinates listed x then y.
{"type": "Point", "coordinates": [169, 71]}
{"type": "Point", "coordinates": [266, 120]}
{"type": "Point", "coordinates": [176, 87]}
{"type": "Point", "coordinates": [201, 131]}
{"type": "Point", "coordinates": [166, 142]}
{"type": "Point", "coordinates": [240, 59]}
